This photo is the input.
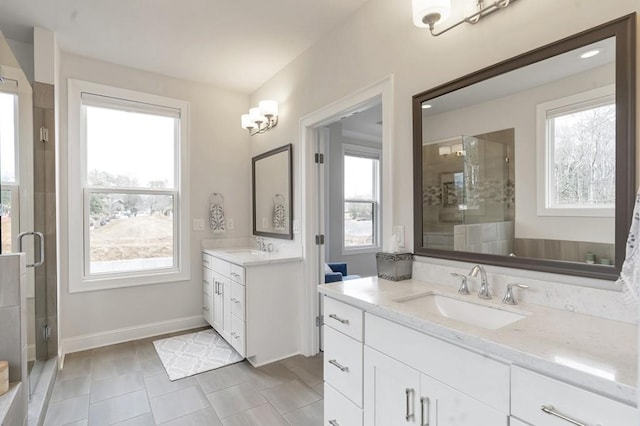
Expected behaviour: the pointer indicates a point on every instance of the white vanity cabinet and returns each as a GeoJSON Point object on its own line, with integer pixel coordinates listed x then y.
{"type": "Point", "coordinates": [413, 378]}
{"type": "Point", "coordinates": [253, 305]}
{"type": "Point", "coordinates": [563, 403]}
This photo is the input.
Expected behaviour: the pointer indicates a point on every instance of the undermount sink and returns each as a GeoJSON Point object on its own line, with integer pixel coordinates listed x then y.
{"type": "Point", "coordinates": [461, 310]}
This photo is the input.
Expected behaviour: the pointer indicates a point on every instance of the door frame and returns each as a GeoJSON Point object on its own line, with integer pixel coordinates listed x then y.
{"type": "Point", "coordinates": [381, 91]}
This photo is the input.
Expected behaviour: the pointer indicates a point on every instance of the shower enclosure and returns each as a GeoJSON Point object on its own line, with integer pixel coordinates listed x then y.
{"type": "Point", "coordinates": [468, 194]}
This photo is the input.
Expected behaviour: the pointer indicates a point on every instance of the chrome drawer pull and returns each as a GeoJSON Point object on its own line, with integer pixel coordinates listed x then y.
{"type": "Point", "coordinates": [550, 409]}
{"type": "Point", "coordinates": [408, 392]}
{"type": "Point", "coordinates": [204, 308]}
{"type": "Point", "coordinates": [337, 364]}
{"type": "Point", "coordinates": [424, 421]}
{"type": "Point", "coordinates": [334, 423]}
{"type": "Point", "coordinates": [337, 318]}
{"type": "Point", "coordinates": [234, 300]}
{"type": "Point", "coordinates": [235, 335]}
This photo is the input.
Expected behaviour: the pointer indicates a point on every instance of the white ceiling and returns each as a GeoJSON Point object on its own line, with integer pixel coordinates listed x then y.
{"type": "Point", "coordinates": [237, 44]}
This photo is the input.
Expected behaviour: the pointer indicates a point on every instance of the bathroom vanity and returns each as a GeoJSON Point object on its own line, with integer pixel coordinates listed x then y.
{"type": "Point", "coordinates": [251, 299]}
{"type": "Point", "coordinates": [418, 353]}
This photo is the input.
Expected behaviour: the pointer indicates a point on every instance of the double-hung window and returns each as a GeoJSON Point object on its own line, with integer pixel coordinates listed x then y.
{"type": "Point", "coordinates": [131, 184]}
{"type": "Point", "coordinates": [577, 154]}
{"type": "Point", "coordinates": [361, 225]}
{"type": "Point", "coordinates": [9, 182]}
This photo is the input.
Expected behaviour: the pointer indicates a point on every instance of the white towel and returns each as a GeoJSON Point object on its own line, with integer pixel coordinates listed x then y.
{"type": "Point", "coordinates": [630, 274]}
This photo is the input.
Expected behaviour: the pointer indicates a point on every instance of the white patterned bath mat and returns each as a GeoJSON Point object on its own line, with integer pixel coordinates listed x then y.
{"type": "Point", "coordinates": [189, 354]}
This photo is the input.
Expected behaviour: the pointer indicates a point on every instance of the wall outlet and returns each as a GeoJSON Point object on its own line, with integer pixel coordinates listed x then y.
{"type": "Point", "coordinates": [198, 224]}
{"type": "Point", "coordinates": [230, 224]}
{"type": "Point", "coordinates": [296, 226]}
{"type": "Point", "coordinates": [265, 223]}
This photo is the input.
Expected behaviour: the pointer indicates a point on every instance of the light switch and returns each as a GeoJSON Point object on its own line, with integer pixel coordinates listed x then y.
{"type": "Point", "coordinates": [296, 226]}
{"type": "Point", "coordinates": [198, 224]}
{"type": "Point", "coordinates": [398, 234]}
{"type": "Point", "coordinates": [230, 224]}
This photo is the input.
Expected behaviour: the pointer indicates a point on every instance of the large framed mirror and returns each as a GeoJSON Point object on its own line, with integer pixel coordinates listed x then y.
{"type": "Point", "coordinates": [530, 163]}
{"type": "Point", "coordinates": [273, 193]}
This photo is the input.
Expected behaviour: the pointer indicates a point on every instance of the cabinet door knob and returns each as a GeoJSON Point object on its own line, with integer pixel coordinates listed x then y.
{"type": "Point", "coordinates": [550, 409]}
{"type": "Point", "coordinates": [337, 318]}
{"type": "Point", "coordinates": [338, 365]}
{"type": "Point", "coordinates": [425, 414]}
{"type": "Point", "coordinates": [408, 394]}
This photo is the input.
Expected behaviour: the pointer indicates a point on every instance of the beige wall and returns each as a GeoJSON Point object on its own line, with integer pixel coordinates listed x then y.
{"type": "Point", "coordinates": [219, 162]}
{"type": "Point", "coordinates": [380, 39]}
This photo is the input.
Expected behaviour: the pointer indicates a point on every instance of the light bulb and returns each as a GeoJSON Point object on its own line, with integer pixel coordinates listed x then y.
{"type": "Point", "coordinates": [246, 122]}
{"type": "Point", "coordinates": [430, 11]}
{"type": "Point", "coordinates": [268, 108]}
{"type": "Point", "coordinates": [256, 116]}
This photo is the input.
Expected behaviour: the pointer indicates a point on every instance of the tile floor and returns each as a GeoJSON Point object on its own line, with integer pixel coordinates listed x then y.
{"type": "Point", "coordinates": [125, 384]}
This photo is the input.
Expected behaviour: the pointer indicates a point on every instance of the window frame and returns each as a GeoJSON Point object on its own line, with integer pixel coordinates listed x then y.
{"type": "Point", "coordinates": [13, 187]}
{"type": "Point", "coordinates": [582, 101]}
{"type": "Point", "coordinates": [368, 153]}
{"type": "Point", "coordinates": [80, 279]}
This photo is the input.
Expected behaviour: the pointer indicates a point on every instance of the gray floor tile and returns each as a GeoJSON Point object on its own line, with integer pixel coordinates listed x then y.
{"type": "Point", "coordinates": [264, 415]}
{"type": "Point", "coordinates": [111, 367]}
{"type": "Point", "coordinates": [116, 386]}
{"type": "Point", "coordinates": [267, 376]}
{"type": "Point", "coordinates": [143, 420]}
{"type": "Point", "coordinates": [120, 350]}
{"type": "Point", "coordinates": [120, 408]}
{"type": "Point", "coordinates": [235, 399]}
{"type": "Point", "coordinates": [70, 388]}
{"type": "Point", "coordinates": [151, 366]}
{"type": "Point", "coordinates": [160, 384]}
{"type": "Point", "coordinates": [177, 404]}
{"type": "Point", "coordinates": [75, 367]}
{"type": "Point", "coordinates": [145, 350]}
{"type": "Point", "coordinates": [206, 417]}
{"type": "Point", "coordinates": [290, 396]}
{"type": "Point", "coordinates": [67, 411]}
{"type": "Point", "coordinates": [221, 378]}
{"type": "Point", "coordinates": [309, 415]}
{"type": "Point", "coordinates": [319, 389]}
{"type": "Point", "coordinates": [308, 369]}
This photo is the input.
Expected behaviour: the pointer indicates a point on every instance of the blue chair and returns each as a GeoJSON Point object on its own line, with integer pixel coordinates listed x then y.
{"type": "Point", "coordinates": [339, 273]}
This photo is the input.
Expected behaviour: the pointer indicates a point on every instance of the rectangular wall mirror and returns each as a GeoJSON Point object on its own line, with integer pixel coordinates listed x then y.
{"type": "Point", "coordinates": [272, 194]}
{"type": "Point", "coordinates": [530, 163]}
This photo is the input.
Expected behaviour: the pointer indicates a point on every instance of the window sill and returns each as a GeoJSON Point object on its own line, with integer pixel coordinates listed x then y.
{"type": "Point", "coordinates": [109, 283]}
{"type": "Point", "coordinates": [363, 250]}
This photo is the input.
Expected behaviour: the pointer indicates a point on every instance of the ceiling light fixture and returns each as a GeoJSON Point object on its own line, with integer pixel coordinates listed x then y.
{"type": "Point", "coordinates": [261, 118]}
{"type": "Point", "coordinates": [427, 13]}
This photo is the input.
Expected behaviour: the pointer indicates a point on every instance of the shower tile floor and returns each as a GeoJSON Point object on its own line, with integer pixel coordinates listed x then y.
{"type": "Point", "coordinates": [126, 384]}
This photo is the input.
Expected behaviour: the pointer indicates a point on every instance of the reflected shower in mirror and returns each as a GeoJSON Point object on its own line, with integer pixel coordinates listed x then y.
{"type": "Point", "coordinates": [272, 194]}
{"type": "Point", "coordinates": [527, 163]}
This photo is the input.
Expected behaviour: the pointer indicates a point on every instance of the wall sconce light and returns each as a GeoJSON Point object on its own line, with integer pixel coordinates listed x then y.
{"type": "Point", "coordinates": [261, 118]}
{"type": "Point", "coordinates": [427, 13]}
{"type": "Point", "coordinates": [444, 150]}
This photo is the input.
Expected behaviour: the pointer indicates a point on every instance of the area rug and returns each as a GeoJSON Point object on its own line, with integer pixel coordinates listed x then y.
{"type": "Point", "coordinates": [189, 354]}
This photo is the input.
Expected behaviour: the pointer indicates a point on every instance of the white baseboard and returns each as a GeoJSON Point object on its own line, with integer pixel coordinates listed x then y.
{"type": "Point", "coordinates": [120, 335]}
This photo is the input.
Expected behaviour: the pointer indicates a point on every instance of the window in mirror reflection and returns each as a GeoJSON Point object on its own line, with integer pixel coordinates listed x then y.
{"type": "Point", "coordinates": [361, 197]}
{"type": "Point", "coordinates": [9, 193]}
{"type": "Point", "coordinates": [580, 161]}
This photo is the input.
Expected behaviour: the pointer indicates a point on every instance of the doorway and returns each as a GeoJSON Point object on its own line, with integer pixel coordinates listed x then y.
{"type": "Point", "coordinates": [314, 140]}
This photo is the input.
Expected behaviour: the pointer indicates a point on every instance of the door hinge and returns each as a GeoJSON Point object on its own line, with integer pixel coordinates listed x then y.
{"type": "Point", "coordinates": [46, 332]}
{"type": "Point", "coordinates": [319, 240]}
{"type": "Point", "coordinates": [44, 134]}
{"type": "Point", "coordinates": [319, 320]}
{"type": "Point", "coordinates": [319, 158]}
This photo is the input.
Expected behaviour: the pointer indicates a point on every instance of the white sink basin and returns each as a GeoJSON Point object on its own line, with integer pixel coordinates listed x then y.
{"type": "Point", "coordinates": [464, 311]}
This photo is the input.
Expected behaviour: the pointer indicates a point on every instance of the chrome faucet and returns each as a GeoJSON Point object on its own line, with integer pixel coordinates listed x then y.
{"type": "Point", "coordinates": [484, 292]}
{"type": "Point", "coordinates": [463, 283]}
{"type": "Point", "coordinates": [261, 244]}
{"type": "Point", "coordinates": [508, 297]}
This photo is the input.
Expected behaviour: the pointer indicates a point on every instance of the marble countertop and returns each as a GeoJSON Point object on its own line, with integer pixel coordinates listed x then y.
{"type": "Point", "coordinates": [591, 352]}
{"type": "Point", "coordinates": [250, 257]}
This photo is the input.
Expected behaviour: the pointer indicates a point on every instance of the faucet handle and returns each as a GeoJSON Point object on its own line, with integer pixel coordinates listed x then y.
{"type": "Point", "coordinates": [508, 297]}
{"type": "Point", "coordinates": [463, 283]}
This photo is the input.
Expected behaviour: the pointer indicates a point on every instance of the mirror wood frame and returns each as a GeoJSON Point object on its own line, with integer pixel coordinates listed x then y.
{"type": "Point", "coordinates": [289, 234]}
{"type": "Point", "coordinates": [624, 29]}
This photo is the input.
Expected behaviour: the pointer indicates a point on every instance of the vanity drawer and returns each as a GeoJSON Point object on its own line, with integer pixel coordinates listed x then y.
{"type": "Point", "coordinates": [237, 300]}
{"type": "Point", "coordinates": [207, 281]}
{"type": "Point", "coordinates": [236, 273]}
{"type": "Point", "coordinates": [475, 374]}
{"type": "Point", "coordinates": [221, 266]}
{"type": "Point", "coordinates": [237, 335]}
{"type": "Point", "coordinates": [338, 410]}
{"type": "Point", "coordinates": [206, 260]}
{"type": "Point", "coordinates": [343, 364]}
{"type": "Point", "coordinates": [344, 318]}
{"type": "Point", "coordinates": [531, 391]}
{"type": "Point", "coordinates": [207, 308]}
